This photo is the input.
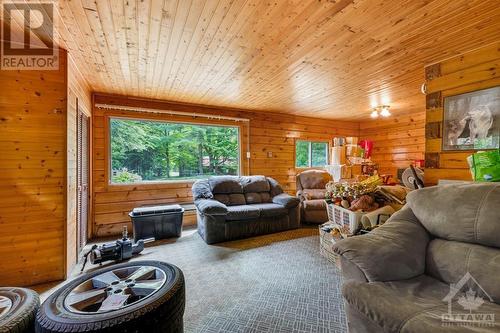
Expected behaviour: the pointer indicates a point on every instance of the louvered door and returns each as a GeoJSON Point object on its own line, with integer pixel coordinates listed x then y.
{"type": "Point", "coordinates": [82, 179]}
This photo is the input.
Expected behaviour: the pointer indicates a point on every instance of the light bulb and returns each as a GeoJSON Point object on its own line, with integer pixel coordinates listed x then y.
{"type": "Point", "coordinates": [385, 112]}
{"type": "Point", "coordinates": [374, 114]}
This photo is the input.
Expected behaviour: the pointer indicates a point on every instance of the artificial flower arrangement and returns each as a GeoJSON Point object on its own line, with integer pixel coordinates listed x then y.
{"type": "Point", "coordinates": [354, 196]}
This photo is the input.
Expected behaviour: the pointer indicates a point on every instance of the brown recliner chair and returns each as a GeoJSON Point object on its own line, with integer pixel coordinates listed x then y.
{"type": "Point", "coordinates": [311, 192]}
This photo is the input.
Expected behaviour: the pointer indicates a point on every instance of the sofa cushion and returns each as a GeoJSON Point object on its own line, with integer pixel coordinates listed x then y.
{"type": "Point", "coordinates": [271, 209]}
{"type": "Point", "coordinates": [253, 198]}
{"type": "Point", "coordinates": [286, 200]}
{"type": "Point", "coordinates": [449, 261]}
{"type": "Point", "coordinates": [318, 204]}
{"type": "Point", "coordinates": [201, 190]}
{"type": "Point", "coordinates": [313, 179]}
{"type": "Point", "coordinates": [243, 212]}
{"type": "Point", "coordinates": [391, 304]}
{"type": "Point", "coordinates": [432, 321]}
{"type": "Point", "coordinates": [256, 198]}
{"type": "Point", "coordinates": [463, 213]}
{"type": "Point", "coordinates": [232, 199]}
{"type": "Point", "coordinates": [407, 305]}
{"type": "Point", "coordinates": [225, 184]}
{"type": "Point", "coordinates": [255, 184]}
{"type": "Point", "coordinates": [276, 188]}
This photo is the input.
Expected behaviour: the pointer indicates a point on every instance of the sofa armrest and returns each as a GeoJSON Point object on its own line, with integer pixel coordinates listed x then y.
{"type": "Point", "coordinates": [394, 251]}
{"type": "Point", "coordinates": [210, 207]}
{"type": "Point", "coordinates": [275, 186]}
{"type": "Point", "coordinates": [301, 195]}
{"type": "Point", "coordinates": [286, 200]}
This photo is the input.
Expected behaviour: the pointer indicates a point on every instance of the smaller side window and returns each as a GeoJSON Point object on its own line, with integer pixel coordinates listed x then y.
{"type": "Point", "coordinates": [311, 154]}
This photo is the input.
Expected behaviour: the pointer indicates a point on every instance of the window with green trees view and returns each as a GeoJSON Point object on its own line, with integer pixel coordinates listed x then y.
{"type": "Point", "coordinates": [151, 151]}
{"type": "Point", "coordinates": [311, 154]}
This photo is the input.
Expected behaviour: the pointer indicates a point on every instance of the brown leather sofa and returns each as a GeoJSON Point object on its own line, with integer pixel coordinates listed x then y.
{"type": "Point", "coordinates": [311, 192]}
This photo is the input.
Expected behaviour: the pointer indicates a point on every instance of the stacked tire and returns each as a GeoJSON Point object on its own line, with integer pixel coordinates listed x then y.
{"type": "Point", "coordinates": [18, 308]}
{"type": "Point", "coordinates": [160, 312]}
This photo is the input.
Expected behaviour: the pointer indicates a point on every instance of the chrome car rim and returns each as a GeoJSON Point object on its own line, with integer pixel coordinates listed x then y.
{"type": "Point", "coordinates": [5, 305]}
{"type": "Point", "coordinates": [115, 289]}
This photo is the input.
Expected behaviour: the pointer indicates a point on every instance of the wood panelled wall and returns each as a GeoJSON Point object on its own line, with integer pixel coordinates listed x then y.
{"type": "Point", "coordinates": [79, 98]}
{"type": "Point", "coordinates": [38, 172]}
{"type": "Point", "coordinates": [397, 141]}
{"type": "Point", "coordinates": [468, 72]}
{"type": "Point", "coordinates": [33, 124]}
{"type": "Point", "coordinates": [268, 133]}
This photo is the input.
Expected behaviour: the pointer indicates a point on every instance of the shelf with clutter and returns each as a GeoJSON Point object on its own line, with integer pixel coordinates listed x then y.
{"type": "Point", "coordinates": [358, 198]}
{"type": "Point", "coordinates": [350, 160]}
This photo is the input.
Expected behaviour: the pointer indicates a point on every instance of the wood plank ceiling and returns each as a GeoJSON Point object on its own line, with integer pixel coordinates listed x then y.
{"type": "Point", "coordinates": [317, 58]}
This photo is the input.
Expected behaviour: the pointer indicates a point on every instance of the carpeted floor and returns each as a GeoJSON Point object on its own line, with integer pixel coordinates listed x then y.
{"type": "Point", "coordinates": [272, 283]}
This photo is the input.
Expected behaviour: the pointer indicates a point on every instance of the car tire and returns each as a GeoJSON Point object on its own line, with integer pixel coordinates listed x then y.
{"type": "Point", "coordinates": [18, 307]}
{"type": "Point", "coordinates": [161, 311]}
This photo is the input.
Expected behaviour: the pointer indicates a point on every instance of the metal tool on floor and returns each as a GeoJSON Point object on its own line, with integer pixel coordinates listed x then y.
{"type": "Point", "coordinates": [121, 249]}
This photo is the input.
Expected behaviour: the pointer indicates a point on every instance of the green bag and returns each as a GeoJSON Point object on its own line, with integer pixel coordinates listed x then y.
{"type": "Point", "coordinates": [485, 166]}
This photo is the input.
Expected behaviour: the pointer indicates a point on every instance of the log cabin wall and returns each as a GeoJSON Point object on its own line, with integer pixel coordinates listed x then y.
{"type": "Point", "coordinates": [269, 133]}
{"type": "Point", "coordinates": [79, 98]}
{"type": "Point", "coordinates": [397, 140]}
{"type": "Point", "coordinates": [33, 124]}
{"type": "Point", "coordinates": [468, 72]}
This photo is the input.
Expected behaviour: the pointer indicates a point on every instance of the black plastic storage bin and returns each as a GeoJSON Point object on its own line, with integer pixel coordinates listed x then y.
{"type": "Point", "coordinates": [157, 221]}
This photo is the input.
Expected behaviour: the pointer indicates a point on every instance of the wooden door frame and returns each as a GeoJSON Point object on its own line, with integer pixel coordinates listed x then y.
{"type": "Point", "coordinates": [79, 113]}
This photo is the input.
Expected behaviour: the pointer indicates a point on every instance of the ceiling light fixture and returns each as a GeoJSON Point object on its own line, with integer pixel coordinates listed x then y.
{"type": "Point", "coordinates": [382, 110]}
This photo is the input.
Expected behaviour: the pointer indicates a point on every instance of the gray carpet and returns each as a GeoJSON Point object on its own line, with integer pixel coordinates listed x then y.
{"type": "Point", "coordinates": [272, 283]}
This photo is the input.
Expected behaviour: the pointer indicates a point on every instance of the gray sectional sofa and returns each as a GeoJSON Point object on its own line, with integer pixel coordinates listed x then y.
{"type": "Point", "coordinates": [398, 278]}
{"type": "Point", "coordinates": [230, 207]}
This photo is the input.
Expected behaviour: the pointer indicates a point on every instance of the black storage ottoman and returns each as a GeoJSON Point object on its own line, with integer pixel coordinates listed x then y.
{"type": "Point", "coordinates": [157, 221]}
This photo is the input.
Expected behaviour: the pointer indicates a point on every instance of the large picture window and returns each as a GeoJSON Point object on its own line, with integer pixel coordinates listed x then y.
{"type": "Point", "coordinates": [156, 151]}
{"type": "Point", "coordinates": [311, 154]}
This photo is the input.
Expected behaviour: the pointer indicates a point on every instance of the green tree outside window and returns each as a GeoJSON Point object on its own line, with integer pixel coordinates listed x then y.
{"type": "Point", "coordinates": [151, 151]}
{"type": "Point", "coordinates": [311, 154]}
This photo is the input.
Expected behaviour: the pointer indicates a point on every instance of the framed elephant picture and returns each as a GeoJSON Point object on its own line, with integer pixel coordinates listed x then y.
{"type": "Point", "coordinates": [471, 121]}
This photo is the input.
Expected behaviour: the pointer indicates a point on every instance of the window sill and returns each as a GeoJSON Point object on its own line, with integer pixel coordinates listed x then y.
{"type": "Point", "coordinates": [149, 185]}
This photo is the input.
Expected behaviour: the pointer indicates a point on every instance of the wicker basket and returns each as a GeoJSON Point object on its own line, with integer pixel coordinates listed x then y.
{"type": "Point", "coordinates": [348, 221]}
{"type": "Point", "coordinates": [326, 241]}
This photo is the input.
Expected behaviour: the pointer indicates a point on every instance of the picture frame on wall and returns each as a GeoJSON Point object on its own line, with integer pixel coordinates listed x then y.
{"type": "Point", "coordinates": [471, 121]}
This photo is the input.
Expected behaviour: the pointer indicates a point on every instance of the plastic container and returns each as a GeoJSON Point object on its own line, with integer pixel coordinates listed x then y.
{"type": "Point", "coordinates": [157, 221]}
{"type": "Point", "coordinates": [347, 220]}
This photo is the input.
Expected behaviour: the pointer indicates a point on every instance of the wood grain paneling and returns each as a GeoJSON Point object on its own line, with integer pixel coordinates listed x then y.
{"type": "Point", "coordinates": [397, 140]}
{"type": "Point", "coordinates": [267, 133]}
{"type": "Point", "coordinates": [328, 59]}
{"type": "Point", "coordinates": [33, 124]}
{"type": "Point", "coordinates": [474, 70]}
